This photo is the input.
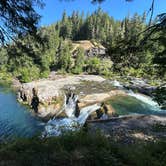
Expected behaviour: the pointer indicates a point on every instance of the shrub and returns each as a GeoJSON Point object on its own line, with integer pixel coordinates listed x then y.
{"type": "Point", "coordinates": [80, 149]}
{"type": "Point", "coordinates": [105, 67]}
{"type": "Point", "coordinates": [93, 65]}
{"type": "Point", "coordinates": [44, 74]}
{"type": "Point", "coordinates": [79, 62]}
{"type": "Point", "coordinates": [5, 77]}
{"type": "Point", "coordinates": [27, 74]}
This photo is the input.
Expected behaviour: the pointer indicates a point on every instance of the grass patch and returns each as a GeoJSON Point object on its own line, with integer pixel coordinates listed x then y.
{"type": "Point", "coordinates": [81, 149]}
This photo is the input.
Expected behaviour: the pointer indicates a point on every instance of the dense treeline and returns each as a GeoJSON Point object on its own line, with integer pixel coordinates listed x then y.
{"type": "Point", "coordinates": [128, 46]}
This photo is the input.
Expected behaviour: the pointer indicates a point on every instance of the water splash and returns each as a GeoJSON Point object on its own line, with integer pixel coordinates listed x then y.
{"type": "Point", "coordinates": [85, 112]}
{"type": "Point", "coordinates": [70, 106]}
{"type": "Point", "coordinates": [148, 100]}
{"type": "Point", "coordinates": [56, 127]}
{"type": "Point", "coordinates": [143, 98]}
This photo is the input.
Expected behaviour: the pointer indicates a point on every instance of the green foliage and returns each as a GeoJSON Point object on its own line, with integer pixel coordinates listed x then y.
{"type": "Point", "coordinates": [5, 77]}
{"type": "Point", "coordinates": [96, 65]}
{"type": "Point", "coordinates": [17, 18]}
{"type": "Point", "coordinates": [106, 67]}
{"type": "Point", "coordinates": [160, 96]}
{"type": "Point", "coordinates": [81, 149]}
{"type": "Point", "coordinates": [44, 74]}
{"type": "Point", "coordinates": [64, 61]}
{"type": "Point", "coordinates": [160, 56]}
{"type": "Point", "coordinates": [124, 40]}
{"type": "Point", "coordinates": [79, 61]}
{"type": "Point", "coordinates": [135, 72]}
{"type": "Point", "coordinates": [93, 65]}
{"type": "Point", "coordinates": [28, 74]}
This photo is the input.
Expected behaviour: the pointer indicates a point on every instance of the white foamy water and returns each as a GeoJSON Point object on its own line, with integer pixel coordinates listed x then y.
{"type": "Point", "coordinates": [70, 107]}
{"type": "Point", "coordinates": [85, 112]}
{"type": "Point", "coordinates": [56, 127]}
{"type": "Point", "coordinates": [146, 99]}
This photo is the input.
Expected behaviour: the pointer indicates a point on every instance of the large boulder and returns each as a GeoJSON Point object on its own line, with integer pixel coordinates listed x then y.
{"type": "Point", "coordinates": [46, 96]}
{"type": "Point", "coordinates": [140, 85]}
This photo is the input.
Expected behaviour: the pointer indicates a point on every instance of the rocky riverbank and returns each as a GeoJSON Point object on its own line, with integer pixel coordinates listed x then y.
{"type": "Point", "coordinates": [131, 128]}
{"type": "Point", "coordinates": [78, 93]}
{"type": "Point", "coordinates": [46, 96]}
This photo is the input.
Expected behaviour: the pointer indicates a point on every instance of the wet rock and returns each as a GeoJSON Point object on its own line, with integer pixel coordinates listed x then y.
{"type": "Point", "coordinates": [140, 85]}
{"type": "Point", "coordinates": [35, 100]}
{"type": "Point", "coordinates": [109, 110]}
{"type": "Point", "coordinates": [106, 111]}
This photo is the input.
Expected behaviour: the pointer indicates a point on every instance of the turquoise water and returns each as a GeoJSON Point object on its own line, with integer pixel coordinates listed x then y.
{"type": "Point", "coordinates": [15, 119]}
{"type": "Point", "coordinates": [128, 105]}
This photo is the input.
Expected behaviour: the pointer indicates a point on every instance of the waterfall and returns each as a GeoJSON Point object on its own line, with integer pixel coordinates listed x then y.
{"type": "Point", "coordinates": [85, 112]}
{"type": "Point", "coordinates": [76, 118]}
{"type": "Point", "coordinates": [70, 106]}
{"type": "Point", "coordinates": [56, 127]}
{"type": "Point", "coordinates": [143, 98]}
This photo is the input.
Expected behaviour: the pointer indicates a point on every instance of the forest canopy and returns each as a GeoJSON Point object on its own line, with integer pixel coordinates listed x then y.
{"type": "Point", "coordinates": [122, 39]}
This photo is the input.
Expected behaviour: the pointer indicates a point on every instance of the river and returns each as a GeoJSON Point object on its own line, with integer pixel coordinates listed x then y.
{"type": "Point", "coordinates": [15, 119]}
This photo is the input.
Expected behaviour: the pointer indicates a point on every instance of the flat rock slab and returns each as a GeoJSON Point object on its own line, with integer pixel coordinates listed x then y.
{"type": "Point", "coordinates": [99, 97]}
{"type": "Point", "coordinates": [132, 127]}
{"type": "Point", "coordinates": [47, 89]}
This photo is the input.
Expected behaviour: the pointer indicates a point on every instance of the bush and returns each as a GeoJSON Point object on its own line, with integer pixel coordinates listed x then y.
{"type": "Point", "coordinates": [135, 72]}
{"type": "Point", "coordinates": [79, 61]}
{"type": "Point", "coordinates": [93, 65]}
{"type": "Point", "coordinates": [44, 74]}
{"type": "Point", "coordinates": [105, 67]}
{"type": "Point", "coordinates": [81, 149]}
{"type": "Point", "coordinates": [27, 74]}
{"type": "Point", "coordinates": [5, 77]}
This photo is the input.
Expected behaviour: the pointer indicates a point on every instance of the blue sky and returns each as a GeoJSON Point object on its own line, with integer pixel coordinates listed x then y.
{"type": "Point", "coordinates": [53, 9]}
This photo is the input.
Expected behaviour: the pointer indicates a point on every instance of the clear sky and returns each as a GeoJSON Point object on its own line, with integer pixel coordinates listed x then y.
{"type": "Point", "coordinates": [117, 8]}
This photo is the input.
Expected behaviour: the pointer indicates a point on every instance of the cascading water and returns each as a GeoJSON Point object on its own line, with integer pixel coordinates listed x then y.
{"type": "Point", "coordinates": [143, 98]}
{"type": "Point", "coordinates": [56, 126]}
{"type": "Point", "coordinates": [70, 105]}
